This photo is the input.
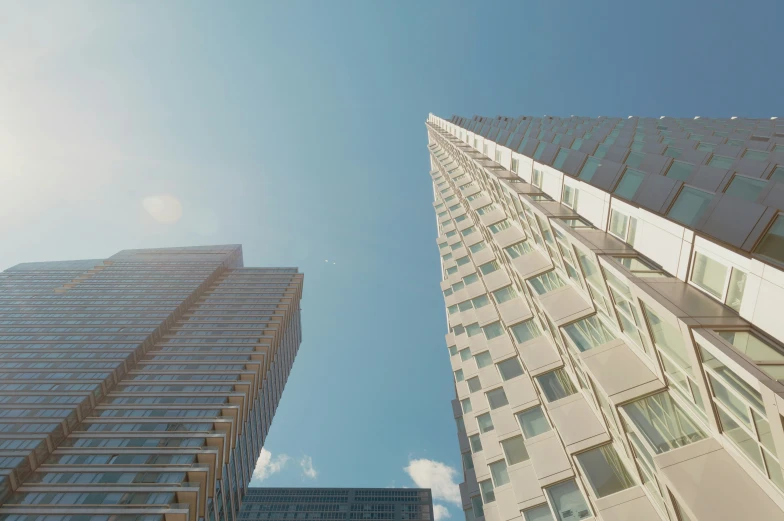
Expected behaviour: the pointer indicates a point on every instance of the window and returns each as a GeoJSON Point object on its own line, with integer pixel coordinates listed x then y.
{"type": "Point", "coordinates": [604, 471]}
{"type": "Point", "coordinates": [457, 286]}
{"type": "Point", "coordinates": [465, 306]}
{"type": "Point", "coordinates": [489, 267]}
{"type": "Point", "coordinates": [485, 422]}
{"type": "Point", "coordinates": [540, 513]}
{"type": "Point", "coordinates": [756, 155]}
{"type": "Point", "coordinates": [745, 187]}
{"type": "Point", "coordinates": [560, 159]}
{"type": "Point", "coordinates": [462, 260]}
{"type": "Point", "coordinates": [518, 250]}
{"type": "Point", "coordinates": [486, 488]}
{"type": "Point", "coordinates": [680, 170]}
{"type": "Point", "coordinates": [721, 162]}
{"type": "Point", "coordinates": [476, 443]}
{"type": "Point", "coordinates": [484, 359]}
{"type": "Point", "coordinates": [575, 222]}
{"type": "Point", "coordinates": [468, 231]}
{"type": "Point", "coordinates": [515, 166]}
{"type": "Point", "coordinates": [457, 245]}
{"type": "Point", "coordinates": [497, 398]}
{"type": "Point", "coordinates": [466, 405]}
{"type": "Point", "coordinates": [500, 226]}
{"type": "Point", "coordinates": [546, 282]}
{"type": "Point", "coordinates": [504, 294]}
{"type": "Point", "coordinates": [476, 248]}
{"type": "Point", "coordinates": [623, 227]}
{"type": "Point", "coordinates": [480, 301]}
{"type": "Point", "coordinates": [493, 330]}
{"type": "Point", "coordinates": [533, 422]}
{"type": "Point", "coordinates": [540, 148]}
{"type": "Point", "coordinates": [525, 331]}
{"type": "Point", "coordinates": [452, 309]}
{"type": "Point", "coordinates": [589, 168]}
{"type": "Point", "coordinates": [777, 174]}
{"type": "Point", "coordinates": [768, 356]}
{"type": "Point", "coordinates": [499, 473]}
{"type": "Point", "coordinates": [474, 384]}
{"type": "Point", "coordinates": [629, 183]}
{"type": "Point", "coordinates": [470, 279]}
{"type": "Point", "coordinates": [468, 461]}
{"type": "Point", "coordinates": [723, 283]}
{"type": "Point", "coordinates": [569, 196]}
{"type": "Point", "coordinates": [536, 178]}
{"type": "Point", "coordinates": [662, 423]}
{"type": "Point", "coordinates": [673, 152]}
{"type": "Point", "coordinates": [771, 247]}
{"type": "Point", "coordinates": [465, 354]}
{"type": "Point", "coordinates": [588, 333]}
{"type": "Point", "coordinates": [459, 375]}
{"type": "Point", "coordinates": [690, 205]}
{"type": "Point", "coordinates": [452, 350]}
{"type": "Point", "coordinates": [639, 266]}
{"type": "Point", "coordinates": [511, 368]}
{"type": "Point", "coordinates": [484, 148]}
{"type": "Point", "coordinates": [477, 507]}
{"type": "Point", "coordinates": [497, 156]}
{"type": "Point", "coordinates": [514, 450]}
{"type": "Point", "coordinates": [556, 385]}
{"type": "Point", "coordinates": [568, 501]}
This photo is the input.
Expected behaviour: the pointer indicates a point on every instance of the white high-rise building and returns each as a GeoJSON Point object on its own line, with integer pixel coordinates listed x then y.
{"type": "Point", "coordinates": [614, 291]}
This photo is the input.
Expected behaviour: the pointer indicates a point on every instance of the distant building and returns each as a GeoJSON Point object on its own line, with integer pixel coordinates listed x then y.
{"type": "Point", "coordinates": [614, 293]}
{"type": "Point", "coordinates": [140, 387]}
{"type": "Point", "coordinates": [337, 504]}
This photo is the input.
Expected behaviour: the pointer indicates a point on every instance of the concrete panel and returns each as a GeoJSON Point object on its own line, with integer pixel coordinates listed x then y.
{"type": "Point", "coordinates": [492, 217]}
{"type": "Point", "coordinates": [501, 348]}
{"type": "Point", "coordinates": [521, 393]}
{"type": "Point", "coordinates": [549, 458]}
{"type": "Point", "coordinates": [514, 311]}
{"type": "Point", "coordinates": [496, 280]}
{"type": "Point", "coordinates": [507, 503]}
{"type": "Point", "coordinates": [489, 377]}
{"type": "Point", "coordinates": [525, 484]}
{"type": "Point", "coordinates": [505, 422]}
{"type": "Point", "coordinates": [486, 314]}
{"type": "Point", "coordinates": [483, 256]}
{"type": "Point", "coordinates": [531, 264]}
{"type": "Point", "coordinates": [565, 305]}
{"type": "Point", "coordinates": [619, 372]}
{"type": "Point", "coordinates": [539, 355]}
{"type": "Point", "coordinates": [627, 505]}
{"type": "Point", "coordinates": [577, 423]}
{"type": "Point", "coordinates": [509, 236]}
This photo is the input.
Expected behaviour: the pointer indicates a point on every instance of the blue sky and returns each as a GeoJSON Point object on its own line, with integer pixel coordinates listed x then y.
{"type": "Point", "coordinates": [297, 129]}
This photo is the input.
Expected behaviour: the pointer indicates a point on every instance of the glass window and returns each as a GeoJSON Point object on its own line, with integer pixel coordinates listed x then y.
{"type": "Point", "coordinates": [500, 226]}
{"type": "Point", "coordinates": [485, 422]}
{"type": "Point", "coordinates": [515, 165]}
{"type": "Point", "coordinates": [589, 168]}
{"type": "Point", "coordinates": [533, 422]}
{"type": "Point", "coordinates": [504, 294]}
{"type": "Point", "coordinates": [556, 385]}
{"type": "Point", "coordinates": [673, 152]}
{"type": "Point", "coordinates": [452, 350]}
{"type": "Point", "coordinates": [668, 338]}
{"type": "Point", "coordinates": [466, 405]}
{"type": "Point", "coordinates": [745, 187]}
{"type": "Point", "coordinates": [680, 170]}
{"type": "Point", "coordinates": [476, 443]}
{"type": "Point", "coordinates": [756, 155]}
{"type": "Point", "coordinates": [473, 329]}
{"type": "Point", "coordinates": [690, 205]}
{"type": "Point", "coordinates": [465, 354]}
{"type": "Point", "coordinates": [540, 513]}
{"type": "Point", "coordinates": [499, 473]}
{"type": "Point", "coordinates": [493, 330]}
{"type": "Point", "coordinates": [634, 159]}
{"type": "Point", "coordinates": [468, 461]}
{"type": "Point", "coordinates": [517, 250]}
{"type": "Point", "coordinates": [576, 222]}
{"type": "Point", "coordinates": [476, 248]}
{"type": "Point", "coordinates": [629, 183]}
{"type": "Point", "coordinates": [474, 384]}
{"type": "Point", "coordinates": [462, 260]}
{"type": "Point", "coordinates": [525, 331]}
{"type": "Point", "coordinates": [477, 507]}
{"type": "Point", "coordinates": [536, 178]}
{"type": "Point", "coordinates": [772, 244]}
{"type": "Point", "coordinates": [568, 501]}
{"type": "Point", "coordinates": [497, 398]}
{"type": "Point", "coordinates": [459, 375]}
{"type": "Point", "coordinates": [721, 162]}
{"type": "Point", "coordinates": [514, 450]}
{"type": "Point", "coordinates": [486, 488]}
{"type": "Point", "coordinates": [546, 282]}
{"type": "Point", "coordinates": [604, 471]}
{"type": "Point", "coordinates": [480, 301]}
{"type": "Point", "coordinates": [777, 174]}
{"type": "Point", "coordinates": [569, 196]}
{"type": "Point", "coordinates": [588, 333]}
{"type": "Point", "coordinates": [709, 275]}
{"type": "Point", "coordinates": [489, 267]}
{"type": "Point", "coordinates": [766, 355]}
{"type": "Point", "coordinates": [662, 422]}
{"type": "Point", "coordinates": [560, 159]}
{"type": "Point", "coordinates": [510, 368]}
{"type": "Point", "coordinates": [484, 359]}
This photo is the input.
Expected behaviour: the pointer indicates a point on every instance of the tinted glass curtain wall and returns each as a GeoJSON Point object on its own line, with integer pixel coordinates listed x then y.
{"type": "Point", "coordinates": [142, 386]}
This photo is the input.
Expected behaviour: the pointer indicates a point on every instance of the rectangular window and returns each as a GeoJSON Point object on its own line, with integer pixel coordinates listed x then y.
{"type": "Point", "coordinates": [525, 331]}
{"type": "Point", "coordinates": [497, 156]}
{"type": "Point", "coordinates": [500, 226]}
{"type": "Point", "coordinates": [486, 488]}
{"type": "Point", "coordinates": [468, 461]}
{"type": "Point", "coordinates": [539, 513]}
{"type": "Point", "coordinates": [568, 501]}
{"type": "Point", "coordinates": [771, 247]}
{"type": "Point", "coordinates": [493, 330]}
{"type": "Point", "coordinates": [462, 260]}
{"type": "Point", "coordinates": [589, 168]}
{"type": "Point", "coordinates": [480, 301]}
{"type": "Point", "coordinates": [540, 148]}
{"type": "Point", "coordinates": [485, 422]}
{"type": "Point", "coordinates": [560, 159]}
{"type": "Point", "coordinates": [476, 248]}
{"type": "Point", "coordinates": [546, 282]}
{"type": "Point", "coordinates": [536, 178]}
{"type": "Point", "coordinates": [690, 206]}
{"type": "Point", "coordinates": [452, 350]}
{"type": "Point", "coordinates": [515, 166]}
{"type": "Point", "coordinates": [459, 375]}
{"type": "Point", "coordinates": [470, 279]}
{"type": "Point", "coordinates": [604, 470]}
{"type": "Point", "coordinates": [680, 170]}
{"type": "Point", "coordinates": [511, 368]}
{"type": "Point", "coordinates": [499, 473]}
{"type": "Point", "coordinates": [466, 405]}
{"type": "Point", "coordinates": [745, 187]}
{"type": "Point", "coordinates": [533, 422]}
{"type": "Point", "coordinates": [768, 356]}
{"type": "Point", "coordinates": [518, 250]}
{"type": "Point", "coordinates": [569, 196]}
{"type": "Point", "coordinates": [497, 398]}
{"type": "Point", "coordinates": [483, 359]}
{"type": "Point", "coordinates": [504, 294]}
{"type": "Point", "coordinates": [623, 227]}
{"type": "Point", "coordinates": [556, 385]}
{"type": "Point", "coordinates": [588, 333]}
{"type": "Point", "coordinates": [634, 159]}
{"type": "Point", "coordinates": [514, 450]}
{"type": "Point", "coordinates": [489, 267]}
{"type": "Point", "coordinates": [476, 443]}
{"type": "Point", "coordinates": [721, 162]}
{"type": "Point", "coordinates": [465, 354]}
{"type": "Point", "coordinates": [474, 385]}
{"type": "Point", "coordinates": [722, 282]}
{"type": "Point", "coordinates": [662, 423]}
{"type": "Point", "coordinates": [629, 183]}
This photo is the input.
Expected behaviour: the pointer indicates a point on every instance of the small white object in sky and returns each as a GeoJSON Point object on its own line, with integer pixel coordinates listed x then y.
{"type": "Point", "coordinates": [734, 117]}
{"type": "Point", "coordinates": [696, 117]}
{"type": "Point", "coordinates": [163, 208]}
{"type": "Point", "coordinates": [661, 117]}
{"type": "Point", "coordinates": [774, 117]}
{"type": "Point", "coordinates": [333, 263]}
{"type": "Point", "coordinates": [325, 260]}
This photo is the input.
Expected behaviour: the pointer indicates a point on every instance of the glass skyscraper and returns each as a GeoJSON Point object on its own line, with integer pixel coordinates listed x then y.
{"type": "Point", "coordinates": [337, 504]}
{"type": "Point", "coordinates": [142, 386]}
{"type": "Point", "coordinates": [613, 291]}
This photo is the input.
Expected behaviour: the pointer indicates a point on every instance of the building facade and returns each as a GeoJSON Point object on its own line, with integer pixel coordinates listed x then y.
{"type": "Point", "coordinates": [613, 291]}
{"type": "Point", "coordinates": [140, 387]}
{"type": "Point", "coordinates": [337, 504]}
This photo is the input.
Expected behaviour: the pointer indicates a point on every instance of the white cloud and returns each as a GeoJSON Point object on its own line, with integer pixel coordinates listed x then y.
{"type": "Point", "coordinates": [307, 467]}
{"type": "Point", "coordinates": [440, 512]}
{"type": "Point", "coordinates": [436, 476]}
{"type": "Point", "coordinates": [267, 465]}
